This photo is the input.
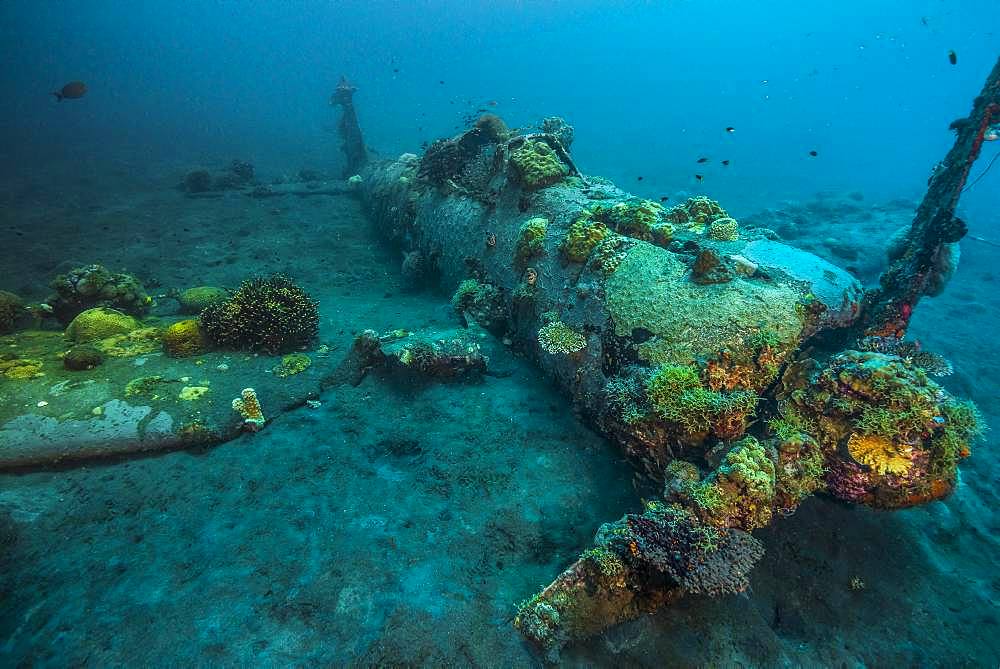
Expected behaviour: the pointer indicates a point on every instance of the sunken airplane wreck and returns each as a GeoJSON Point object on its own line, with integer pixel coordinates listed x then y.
{"type": "Point", "coordinates": [739, 373]}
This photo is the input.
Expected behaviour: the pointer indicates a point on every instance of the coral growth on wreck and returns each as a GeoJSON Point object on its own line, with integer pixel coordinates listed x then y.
{"type": "Point", "coordinates": [94, 286]}
{"type": "Point", "coordinates": [557, 337]}
{"type": "Point", "coordinates": [537, 165]}
{"type": "Point", "coordinates": [904, 434]}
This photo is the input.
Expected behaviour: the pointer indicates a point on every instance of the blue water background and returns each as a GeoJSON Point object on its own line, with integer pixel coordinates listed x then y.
{"type": "Point", "coordinates": [650, 86]}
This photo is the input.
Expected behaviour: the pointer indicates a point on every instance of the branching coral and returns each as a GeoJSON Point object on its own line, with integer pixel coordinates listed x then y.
{"type": "Point", "coordinates": [273, 315]}
{"type": "Point", "coordinates": [626, 396]}
{"type": "Point", "coordinates": [557, 337]}
{"type": "Point", "coordinates": [248, 406]}
{"type": "Point", "coordinates": [740, 493]}
{"type": "Point", "coordinates": [676, 394]}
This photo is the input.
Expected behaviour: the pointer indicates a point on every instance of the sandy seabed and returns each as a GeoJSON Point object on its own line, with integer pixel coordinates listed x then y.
{"type": "Point", "coordinates": [402, 525]}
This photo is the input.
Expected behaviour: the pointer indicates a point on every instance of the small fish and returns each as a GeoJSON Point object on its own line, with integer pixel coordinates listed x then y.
{"type": "Point", "coordinates": [492, 103]}
{"type": "Point", "coordinates": [725, 162]}
{"type": "Point", "coordinates": [730, 129]}
{"type": "Point", "coordinates": [923, 20]}
{"type": "Point", "coordinates": [813, 154]}
{"type": "Point", "coordinates": [638, 178]}
{"type": "Point", "coordinates": [664, 198]}
{"type": "Point", "coordinates": [699, 177]}
{"type": "Point", "coordinates": [702, 160]}
{"type": "Point", "coordinates": [395, 69]}
{"type": "Point", "coordinates": [71, 91]}
{"type": "Point", "coordinates": [441, 81]}
{"type": "Point", "coordinates": [952, 57]}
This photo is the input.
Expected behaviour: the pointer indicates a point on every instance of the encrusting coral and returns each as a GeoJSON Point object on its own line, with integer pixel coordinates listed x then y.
{"type": "Point", "coordinates": [271, 315]}
{"type": "Point", "coordinates": [537, 165]}
{"type": "Point", "coordinates": [583, 236]}
{"type": "Point", "coordinates": [530, 239]}
{"type": "Point", "coordinates": [194, 300]}
{"type": "Point", "coordinates": [99, 323]}
{"type": "Point", "coordinates": [184, 338]}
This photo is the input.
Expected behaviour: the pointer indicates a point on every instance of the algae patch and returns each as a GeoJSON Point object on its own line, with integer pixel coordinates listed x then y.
{"type": "Point", "coordinates": [649, 291]}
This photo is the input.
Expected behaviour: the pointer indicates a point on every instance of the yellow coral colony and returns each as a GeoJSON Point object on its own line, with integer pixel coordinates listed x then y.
{"type": "Point", "coordinates": [880, 454]}
{"type": "Point", "coordinates": [249, 407]}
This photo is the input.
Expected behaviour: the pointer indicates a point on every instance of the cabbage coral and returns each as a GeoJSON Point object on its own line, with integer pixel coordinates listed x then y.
{"type": "Point", "coordinates": [880, 454]}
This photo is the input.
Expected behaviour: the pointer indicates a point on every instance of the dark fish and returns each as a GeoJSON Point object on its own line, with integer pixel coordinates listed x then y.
{"type": "Point", "coordinates": [923, 20]}
{"type": "Point", "coordinates": [72, 90]}
{"type": "Point", "coordinates": [703, 160]}
{"type": "Point", "coordinates": [664, 198]}
{"type": "Point", "coordinates": [725, 162]}
{"type": "Point", "coordinates": [699, 177]}
{"type": "Point", "coordinates": [730, 129]}
{"type": "Point", "coordinates": [638, 178]}
{"type": "Point", "coordinates": [492, 103]}
{"type": "Point", "coordinates": [441, 81]}
{"type": "Point", "coordinates": [952, 57]}
{"type": "Point", "coordinates": [813, 154]}
{"type": "Point", "coordinates": [395, 69]}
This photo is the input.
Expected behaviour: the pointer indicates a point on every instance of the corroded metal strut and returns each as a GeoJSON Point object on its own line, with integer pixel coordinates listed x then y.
{"type": "Point", "coordinates": [888, 308]}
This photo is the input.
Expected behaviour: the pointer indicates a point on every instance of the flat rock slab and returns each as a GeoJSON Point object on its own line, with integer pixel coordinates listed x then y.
{"type": "Point", "coordinates": [135, 403]}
